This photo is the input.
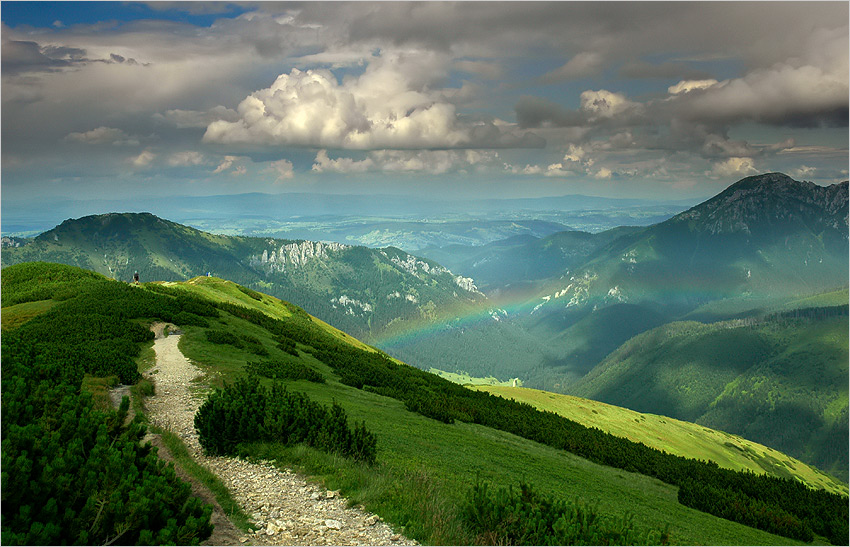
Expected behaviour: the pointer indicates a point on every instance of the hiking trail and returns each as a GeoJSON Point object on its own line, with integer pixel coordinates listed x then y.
{"type": "Point", "coordinates": [288, 509]}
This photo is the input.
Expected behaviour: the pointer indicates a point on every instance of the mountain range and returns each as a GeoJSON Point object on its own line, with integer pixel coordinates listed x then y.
{"type": "Point", "coordinates": [611, 316]}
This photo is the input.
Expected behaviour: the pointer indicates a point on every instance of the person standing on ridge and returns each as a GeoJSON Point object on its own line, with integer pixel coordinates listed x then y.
{"type": "Point", "coordinates": [136, 277]}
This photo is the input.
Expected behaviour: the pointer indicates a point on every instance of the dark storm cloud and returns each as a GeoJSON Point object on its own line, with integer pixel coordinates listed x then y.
{"type": "Point", "coordinates": [533, 112]}
{"type": "Point", "coordinates": [643, 70]}
{"type": "Point", "coordinates": [20, 56]}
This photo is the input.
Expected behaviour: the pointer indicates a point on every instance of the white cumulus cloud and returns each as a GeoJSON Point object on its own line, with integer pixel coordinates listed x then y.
{"type": "Point", "coordinates": [689, 85]}
{"type": "Point", "coordinates": [144, 159]}
{"type": "Point", "coordinates": [433, 162]}
{"type": "Point", "coordinates": [733, 167]}
{"type": "Point", "coordinates": [186, 158]}
{"type": "Point", "coordinates": [393, 104]}
{"type": "Point", "coordinates": [226, 164]}
{"type": "Point", "coordinates": [605, 104]}
{"type": "Point", "coordinates": [282, 169]}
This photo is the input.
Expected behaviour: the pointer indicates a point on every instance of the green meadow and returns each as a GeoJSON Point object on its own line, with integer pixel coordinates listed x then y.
{"type": "Point", "coordinates": [417, 454]}
{"type": "Point", "coordinates": [673, 436]}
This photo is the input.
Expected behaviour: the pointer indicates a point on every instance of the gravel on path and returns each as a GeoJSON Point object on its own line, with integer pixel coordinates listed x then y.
{"type": "Point", "coordinates": [288, 509]}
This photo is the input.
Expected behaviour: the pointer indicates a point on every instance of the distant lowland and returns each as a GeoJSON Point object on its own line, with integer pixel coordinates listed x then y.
{"type": "Point", "coordinates": [731, 314]}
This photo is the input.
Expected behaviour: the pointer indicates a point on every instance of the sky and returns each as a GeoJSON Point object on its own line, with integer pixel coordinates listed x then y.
{"type": "Point", "coordinates": [663, 100]}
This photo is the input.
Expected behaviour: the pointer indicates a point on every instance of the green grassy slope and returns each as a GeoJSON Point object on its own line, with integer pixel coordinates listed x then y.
{"type": "Point", "coordinates": [671, 435]}
{"type": "Point", "coordinates": [413, 449]}
{"type": "Point", "coordinates": [781, 382]}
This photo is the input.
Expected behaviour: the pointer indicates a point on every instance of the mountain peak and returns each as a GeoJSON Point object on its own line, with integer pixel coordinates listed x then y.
{"type": "Point", "coordinates": [765, 181]}
{"type": "Point", "coordinates": [768, 202]}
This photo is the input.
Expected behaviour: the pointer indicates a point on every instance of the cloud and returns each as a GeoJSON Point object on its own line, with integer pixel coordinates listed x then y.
{"type": "Point", "coordinates": [282, 169]}
{"type": "Point", "coordinates": [785, 96]}
{"type": "Point", "coordinates": [103, 135]}
{"type": "Point", "coordinates": [485, 69]}
{"type": "Point", "coordinates": [324, 164]}
{"type": "Point", "coordinates": [432, 162]}
{"type": "Point", "coordinates": [733, 167]}
{"type": "Point", "coordinates": [391, 105]}
{"type": "Point", "coordinates": [20, 56]}
{"type": "Point", "coordinates": [689, 85]}
{"type": "Point", "coordinates": [587, 63]}
{"type": "Point", "coordinates": [226, 164]}
{"type": "Point", "coordinates": [196, 118]}
{"type": "Point", "coordinates": [186, 158]}
{"type": "Point", "coordinates": [527, 170]}
{"type": "Point", "coordinates": [575, 154]}
{"type": "Point", "coordinates": [642, 70]}
{"type": "Point", "coordinates": [803, 172]}
{"type": "Point", "coordinates": [605, 104]}
{"type": "Point", "coordinates": [602, 173]}
{"type": "Point", "coordinates": [809, 90]}
{"type": "Point", "coordinates": [144, 159]}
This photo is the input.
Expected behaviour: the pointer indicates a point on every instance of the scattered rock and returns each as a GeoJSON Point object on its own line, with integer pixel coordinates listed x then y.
{"type": "Point", "coordinates": [333, 524]}
{"type": "Point", "coordinates": [372, 520]}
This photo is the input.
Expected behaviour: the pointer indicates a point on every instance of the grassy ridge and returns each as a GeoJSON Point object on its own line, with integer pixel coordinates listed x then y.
{"type": "Point", "coordinates": [452, 455]}
{"type": "Point", "coordinates": [673, 436]}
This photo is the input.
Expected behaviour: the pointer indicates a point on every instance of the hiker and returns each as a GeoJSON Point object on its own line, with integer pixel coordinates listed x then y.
{"type": "Point", "coordinates": [136, 277]}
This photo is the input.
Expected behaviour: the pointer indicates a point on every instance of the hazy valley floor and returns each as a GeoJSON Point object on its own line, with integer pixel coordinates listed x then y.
{"type": "Point", "coordinates": [288, 509]}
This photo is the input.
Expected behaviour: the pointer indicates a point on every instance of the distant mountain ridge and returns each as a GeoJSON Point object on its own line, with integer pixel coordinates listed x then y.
{"type": "Point", "coordinates": [358, 289]}
{"type": "Point", "coordinates": [772, 200]}
{"type": "Point", "coordinates": [764, 234]}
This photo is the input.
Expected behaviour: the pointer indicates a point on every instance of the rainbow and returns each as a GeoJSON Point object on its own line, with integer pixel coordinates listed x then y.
{"type": "Point", "coordinates": [412, 331]}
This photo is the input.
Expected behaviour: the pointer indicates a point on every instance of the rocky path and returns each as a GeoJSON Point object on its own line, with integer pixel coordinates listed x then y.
{"type": "Point", "coordinates": [289, 510]}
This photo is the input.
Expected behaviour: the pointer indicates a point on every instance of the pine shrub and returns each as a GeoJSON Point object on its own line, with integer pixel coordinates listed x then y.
{"type": "Point", "coordinates": [525, 517]}
{"type": "Point", "coordinates": [284, 370]}
{"type": "Point", "coordinates": [246, 411]}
